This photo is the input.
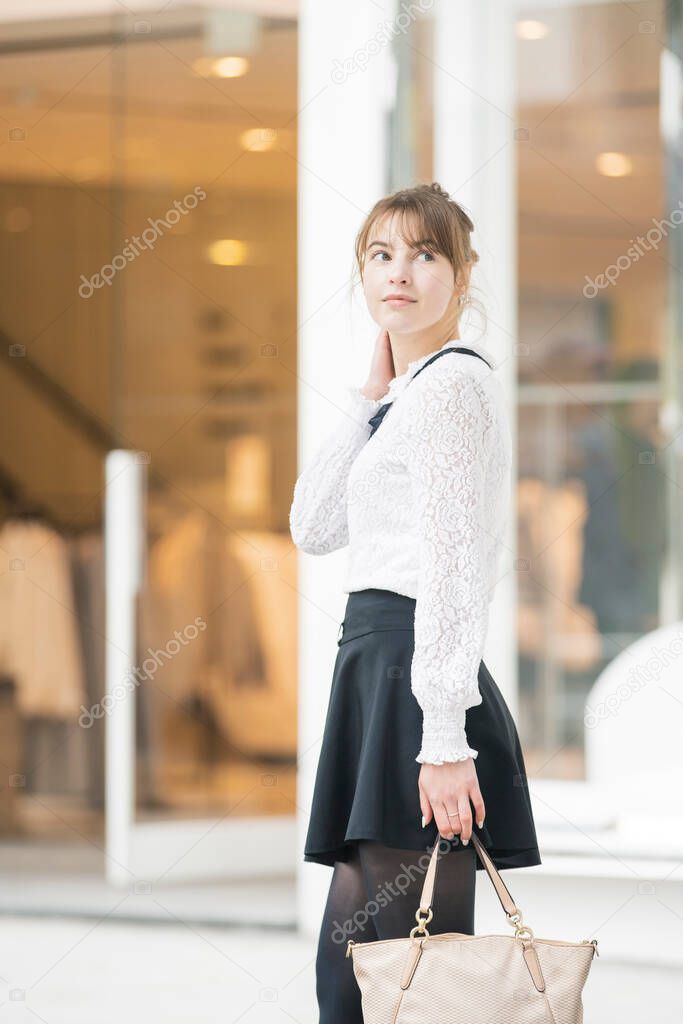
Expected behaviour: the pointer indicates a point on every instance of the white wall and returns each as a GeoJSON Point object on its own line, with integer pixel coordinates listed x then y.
{"type": "Point", "coordinates": [341, 170]}
{"type": "Point", "coordinates": [475, 160]}
{"type": "Point", "coordinates": [341, 175]}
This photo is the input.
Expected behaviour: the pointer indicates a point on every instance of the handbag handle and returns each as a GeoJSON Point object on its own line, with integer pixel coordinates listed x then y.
{"type": "Point", "coordinates": [512, 911]}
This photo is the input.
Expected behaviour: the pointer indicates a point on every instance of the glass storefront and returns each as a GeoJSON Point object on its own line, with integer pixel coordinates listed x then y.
{"type": "Point", "coordinates": [410, 151]}
{"type": "Point", "coordinates": [148, 222]}
{"type": "Point", "coordinates": [148, 227]}
{"type": "Point", "coordinates": [595, 247]}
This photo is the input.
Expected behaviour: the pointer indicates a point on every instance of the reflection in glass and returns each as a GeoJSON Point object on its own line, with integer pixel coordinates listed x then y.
{"type": "Point", "coordinates": [591, 497]}
{"type": "Point", "coordinates": [411, 119]}
{"type": "Point", "coordinates": [154, 199]}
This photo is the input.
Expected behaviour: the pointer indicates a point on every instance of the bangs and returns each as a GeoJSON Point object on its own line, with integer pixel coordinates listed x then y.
{"type": "Point", "coordinates": [421, 223]}
{"type": "Point", "coordinates": [417, 225]}
{"type": "Point", "coordinates": [424, 218]}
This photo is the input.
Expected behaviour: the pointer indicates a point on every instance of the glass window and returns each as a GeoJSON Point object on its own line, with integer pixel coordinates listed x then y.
{"type": "Point", "coordinates": [593, 279]}
{"type": "Point", "coordinates": [411, 120]}
{"type": "Point", "coordinates": [148, 257]}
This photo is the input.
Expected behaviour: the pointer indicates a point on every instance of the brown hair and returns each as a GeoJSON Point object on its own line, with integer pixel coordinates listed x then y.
{"type": "Point", "coordinates": [437, 217]}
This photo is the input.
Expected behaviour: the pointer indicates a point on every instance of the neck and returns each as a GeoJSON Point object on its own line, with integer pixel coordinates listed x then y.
{"type": "Point", "coordinates": [406, 348]}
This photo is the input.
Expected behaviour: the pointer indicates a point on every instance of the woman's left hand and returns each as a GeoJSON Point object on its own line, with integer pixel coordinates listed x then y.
{"type": "Point", "coordinates": [447, 788]}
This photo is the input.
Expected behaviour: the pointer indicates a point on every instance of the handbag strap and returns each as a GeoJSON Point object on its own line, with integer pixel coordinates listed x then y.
{"type": "Point", "coordinates": [512, 913]}
{"type": "Point", "coordinates": [506, 900]}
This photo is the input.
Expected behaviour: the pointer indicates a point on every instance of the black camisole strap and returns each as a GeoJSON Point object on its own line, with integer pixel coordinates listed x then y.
{"type": "Point", "coordinates": [375, 420]}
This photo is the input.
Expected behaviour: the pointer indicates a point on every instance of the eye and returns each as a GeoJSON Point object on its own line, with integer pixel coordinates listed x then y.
{"type": "Point", "coordinates": [426, 252]}
{"type": "Point", "coordinates": [379, 252]}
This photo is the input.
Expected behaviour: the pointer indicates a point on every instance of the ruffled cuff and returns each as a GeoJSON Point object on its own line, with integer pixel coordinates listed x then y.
{"type": "Point", "coordinates": [443, 737]}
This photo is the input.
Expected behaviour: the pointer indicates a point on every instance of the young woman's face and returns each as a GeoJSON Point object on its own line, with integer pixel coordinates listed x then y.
{"type": "Point", "coordinates": [392, 267]}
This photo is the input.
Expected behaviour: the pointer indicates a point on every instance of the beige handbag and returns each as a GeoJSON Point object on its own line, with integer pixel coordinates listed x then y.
{"type": "Point", "coordinates": [455, 978]}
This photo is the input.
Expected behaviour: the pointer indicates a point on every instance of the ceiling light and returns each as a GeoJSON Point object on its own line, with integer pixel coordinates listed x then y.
{"type": "Point", "coordinates": [614, 165]}
{"type": "Point", "coordinates": [221, 67]}
{"type": "Point", "coordinates": [228, 252]}
{"type": "Point", "coordinates": [529, 29]}
{"type": "Point", "coordinates": [258, 140]}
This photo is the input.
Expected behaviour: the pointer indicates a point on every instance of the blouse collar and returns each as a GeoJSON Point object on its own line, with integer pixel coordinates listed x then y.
{"type": "Point", "coordinates": [397, 384]}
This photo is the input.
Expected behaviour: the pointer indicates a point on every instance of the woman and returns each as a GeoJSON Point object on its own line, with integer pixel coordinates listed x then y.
{"type": "Point", "coordinates": [415, 479]}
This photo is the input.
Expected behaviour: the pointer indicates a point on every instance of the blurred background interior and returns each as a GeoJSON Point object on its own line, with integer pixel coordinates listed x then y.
{"type": "Point", "coordinates": [189, 355]}
{"type": "Point", "coordinates": [176, 358]}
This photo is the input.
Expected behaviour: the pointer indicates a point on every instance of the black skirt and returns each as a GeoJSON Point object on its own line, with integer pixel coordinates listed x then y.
{"type": "Point", "coordinates": [366, 785]}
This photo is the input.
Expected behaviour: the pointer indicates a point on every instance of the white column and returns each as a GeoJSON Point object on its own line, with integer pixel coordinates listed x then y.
{"type": "Point", "coordinates": [345, 76]}
{"type": "Point", "coordinates": [124, 473]}
{"type": "Point", "coordinates": [475, 160]}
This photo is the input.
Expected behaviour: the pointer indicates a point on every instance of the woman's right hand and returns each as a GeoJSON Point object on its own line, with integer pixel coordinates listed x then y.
{"type": "Point", "coordinates": [452, 787]}
{"type": "Point", "coordinates": [381, 368]}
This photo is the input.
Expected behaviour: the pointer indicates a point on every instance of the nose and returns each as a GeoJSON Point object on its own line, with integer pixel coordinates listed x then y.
{"type": "Point", "coordinates": [399, 270]}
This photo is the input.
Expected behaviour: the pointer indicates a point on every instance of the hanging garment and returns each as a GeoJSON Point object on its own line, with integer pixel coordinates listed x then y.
{"type": "Point", "coordinates": [260, 720]}
{"type": "Point", "coordinates": [39, 634]}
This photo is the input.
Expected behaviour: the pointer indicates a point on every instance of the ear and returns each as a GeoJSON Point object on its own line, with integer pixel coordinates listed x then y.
{"type": "Point", "coordinates": [463, 278]}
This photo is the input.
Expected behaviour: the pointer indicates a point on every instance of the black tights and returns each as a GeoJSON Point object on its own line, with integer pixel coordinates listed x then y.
{"type": "Point", "coordinates": [374, 895]}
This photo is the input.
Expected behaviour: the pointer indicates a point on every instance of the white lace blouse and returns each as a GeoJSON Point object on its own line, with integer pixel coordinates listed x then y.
{"type": "Point", "coordinates": [423, 505]}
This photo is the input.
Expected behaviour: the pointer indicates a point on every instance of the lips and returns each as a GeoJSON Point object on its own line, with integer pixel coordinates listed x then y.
{"type": "Point", "coordinates": [398, 298]}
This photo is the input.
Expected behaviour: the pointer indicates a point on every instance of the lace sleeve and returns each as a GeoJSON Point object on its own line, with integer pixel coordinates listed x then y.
{"type": "Point", "coordinates": [446, 463]}
{"type": "Point", "coordinates": [317, 518]}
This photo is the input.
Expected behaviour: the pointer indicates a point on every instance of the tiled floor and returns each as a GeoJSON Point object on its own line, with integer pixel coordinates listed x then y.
{"type": "Point", "coordinates": [81, 971]}
{"type": "Point", "coordinates": [54, 880]}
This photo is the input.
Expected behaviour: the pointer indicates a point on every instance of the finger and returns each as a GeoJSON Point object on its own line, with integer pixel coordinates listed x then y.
{"type": "Point", "coordinates": [426, 808]}
{"type": "Point", "coordinates": [444, 823]}
{"type": "Point", "coordinates": [479, 809]}
{"type": "Point", "coordinates": [465, 818]}
{"type": "Point", "coordinates": [451, 805]}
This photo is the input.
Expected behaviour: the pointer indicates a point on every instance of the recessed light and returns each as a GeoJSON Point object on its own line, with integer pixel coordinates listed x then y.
{"type": "Point", "coordinates": [614, 165]}
{"type": "Point", "coordinates": [228, 252]}
{"type": "Point", "coordinates": [529, 29]}
{"type": "Point", "coordinates": [258, 140]}
{"type": "Point", "coordinates": [221, 67]}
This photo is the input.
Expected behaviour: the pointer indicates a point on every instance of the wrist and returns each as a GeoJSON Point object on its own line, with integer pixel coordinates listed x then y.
{"type": "Point", "coordinates": [373, 390]}
{"type": "Point", "coordinates": [444, 740]}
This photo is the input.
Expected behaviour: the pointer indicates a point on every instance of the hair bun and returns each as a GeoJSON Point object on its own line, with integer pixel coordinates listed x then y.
{"type": "Point", "coordinates": [436, 187]}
